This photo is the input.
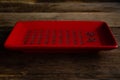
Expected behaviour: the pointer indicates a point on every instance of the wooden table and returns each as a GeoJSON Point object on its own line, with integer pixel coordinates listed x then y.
{"type": "Point", "coordinates": [103, 65]}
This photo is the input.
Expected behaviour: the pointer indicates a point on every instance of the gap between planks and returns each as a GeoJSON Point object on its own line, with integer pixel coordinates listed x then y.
{"type": "Point", "coordinates": [9, 19]}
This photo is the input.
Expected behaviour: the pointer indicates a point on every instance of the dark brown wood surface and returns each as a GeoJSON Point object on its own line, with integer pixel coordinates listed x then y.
{"type": "Point", "coordinates": [9, 19]}
{"type": "Point", "coordinates": [59, 7]}
{"type": "Point", "coordinates": [103, 65]}
{"type": "Point", "coordinates": [37, 1]}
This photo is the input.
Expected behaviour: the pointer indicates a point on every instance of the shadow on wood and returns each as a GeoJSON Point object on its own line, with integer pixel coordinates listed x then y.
{"type": "Point", "coordinates": [78, 0]}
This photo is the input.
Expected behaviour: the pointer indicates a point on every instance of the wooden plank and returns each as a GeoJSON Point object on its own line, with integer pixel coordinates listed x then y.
{"type": "Point", "coordinates": [59, 66]}
{"type": "Point", "coordinates": [18, 1]}
{"type": "Point", "coordinates": [59, 0]}
{"type": "Point", "coordinates": [9, 19]}
{"type": "Point", "coordinates": [60, 7]}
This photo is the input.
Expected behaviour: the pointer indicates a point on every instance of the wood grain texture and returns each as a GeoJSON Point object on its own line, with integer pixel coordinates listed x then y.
{"type": "Point", "coordinates": [9, 19]}
{"type": "Point", "coordinates": [60, 7]}
{"type": "Point", "coordinates": [18, 1]}
{"type": "Point", "coordinates": [103, 65]}
{"type": "Point", "coordinates": [59, 0]}
{"type": "Point", "coordinates": [59, 66]}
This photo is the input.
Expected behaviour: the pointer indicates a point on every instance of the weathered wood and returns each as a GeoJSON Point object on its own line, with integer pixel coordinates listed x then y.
{"type": "Point", "coordinates": [60, 7]}
{"type": "Point", "coordinates": [59, 0]}
{"type": "Point", "coordinates": [16, 65]}
{"type": "Point", "coordinates": [9, 19]}
{"type": "Point", "coordinates": [59, 66]}
{"type": "Point", "coordinates": [23, 1]}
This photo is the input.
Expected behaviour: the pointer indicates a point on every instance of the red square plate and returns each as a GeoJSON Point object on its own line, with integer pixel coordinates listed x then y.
{"type": "Point", "coordinates": [52, 35]}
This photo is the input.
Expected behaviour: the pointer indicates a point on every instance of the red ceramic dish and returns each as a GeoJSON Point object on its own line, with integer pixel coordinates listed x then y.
{"type": "Point", "coordinates": [43, 35]}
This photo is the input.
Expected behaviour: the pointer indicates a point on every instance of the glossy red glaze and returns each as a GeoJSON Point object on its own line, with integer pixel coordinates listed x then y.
{"type": "Point", "coordinates": [43, 35]}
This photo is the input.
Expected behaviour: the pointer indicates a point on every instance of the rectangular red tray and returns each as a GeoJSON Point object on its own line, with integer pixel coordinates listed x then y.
{"type": "Point", "coordinates": [43, 35]}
